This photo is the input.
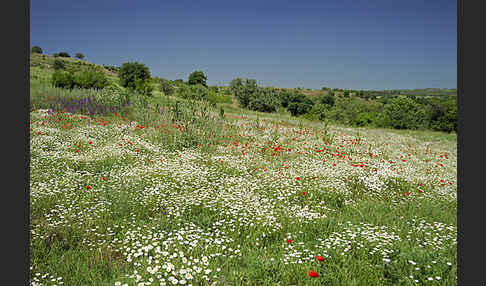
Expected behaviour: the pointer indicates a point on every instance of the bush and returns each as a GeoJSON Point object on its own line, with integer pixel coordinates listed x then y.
{"type": "Point", "coordinates": [194, 92]}
{"type": "Point", "coordinates": [64, 55]}
{"type": "Point", "coordinates": [264, 100]}
{"type": "Point", "coordinates": [79, 56]}
{"type": "Point", "coordinates": [299, 104]}
{"type": "Point", "coordinates": [59, 64]}
{"type": "Point", "coordinates": [90, 78]}
{"type": "Point", "coordinates": [214, 98]}
{"type": "Point", "coordinates": [327, 99]}
{"type": "Point", "coordinates": [285, 97]}
{"type": "Point", "coordinates": [442, 115]}
{"type": "Point", "coordinates": [166, 87]}
{"type": "Point", "coordinates": [36, 49]}
{"type": "Point", "coordinates": [199, 92]}
{"type": "Point", "coordinates": [130, 72]}
{"type": "Point", "coordinates": [346, 110]}
{"type": "Point", "coordinates": [404, 113]}
{"type": "Point", "coordinates": [318, 112]}
{"type": "Point", "coordinates": [366, 119]}
{"type": "Point", "coordinates": [197, 77]}
{"type": "Point", "coordinates": [143, 87]}
{"type": "Point", "coordinates": [63, 79]}
{"type": "Point", "coordinates": [244, 93]}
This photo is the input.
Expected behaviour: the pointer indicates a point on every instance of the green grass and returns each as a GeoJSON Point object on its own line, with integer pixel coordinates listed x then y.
{"type": "Point", "coordinates": [233, 199]}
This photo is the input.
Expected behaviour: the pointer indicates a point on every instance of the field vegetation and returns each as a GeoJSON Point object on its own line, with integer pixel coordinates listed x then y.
{"type": "Point", "coordinates": [236, 185]}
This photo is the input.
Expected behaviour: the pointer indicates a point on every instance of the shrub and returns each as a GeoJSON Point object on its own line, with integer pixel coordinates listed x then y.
{"type": "Point", "coordinates": [318, 112]}
{"type": "Point", "coordinates": [58, 64]}
{"type": "Point", "coordinates": [133, 75]}
{"type": "Point", "coordinates": [264, 100]}
{"type": "Point", "coordinates": [285, 97]}
{"type": "Point", "coordinates": [194, 92]}
{"type": "Point", "coordinates": [90, 78]}
{"type": "Point", "coordinates": [214, 98]}
{"type": "Point", "coordinates": [79, 55]}
{"type": "Point", "coordinates": [404, 113]}
{"type": "Point", "coordinates": [36, 49]}
{"type": "Point", "coordinates": [64, 55]}
{"type": "Point", "coordinates": [244, 92]}
{"type": "Point", "coordinates": [327, 99]}
{"type": "Point", "coordinates": [197, 77]}
{"type": "Point", "coordinates": [299, 104]}
{"type": "Point", "coordinates": [366, 119]}
{"type": "Point", "coordinates": [143, 87]}
{"type": "Point", "coordinates": [199, 92]}
{"type": "Point", "coordinates": [442, 115]}
{"type": "Point", "coordinates": [63, 79]}
{"type": "Point", "coordinates": [166, 87]}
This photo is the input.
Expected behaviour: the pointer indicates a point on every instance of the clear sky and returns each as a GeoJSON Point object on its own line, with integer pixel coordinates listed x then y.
{"type": "Point", "coordinates": [355, 44]}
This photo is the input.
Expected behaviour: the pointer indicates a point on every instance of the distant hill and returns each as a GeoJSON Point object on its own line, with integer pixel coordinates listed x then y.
{"type": "Point", "coordinates": [47, 61]}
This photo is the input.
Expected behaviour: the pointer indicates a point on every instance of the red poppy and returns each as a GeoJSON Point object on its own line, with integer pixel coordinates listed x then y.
{"type": "Point", "coordinates": [320, 258]}
{"type": "Point", "coordinates": [298, 178]}
{"type": "Point", "coordinates": [313, 274]}
{"type": "Point", "coordinates": [88, 187]}
{"type": "Point", "coordinates": [303, 193]}
{"type": "Point", "coordinates": [103, 178]}
{"type": "Point", "coordinates": [289, 240]}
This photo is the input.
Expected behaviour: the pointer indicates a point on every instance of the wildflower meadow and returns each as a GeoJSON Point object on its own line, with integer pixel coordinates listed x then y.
{"type": "Point", "coordinates": [159, 192]}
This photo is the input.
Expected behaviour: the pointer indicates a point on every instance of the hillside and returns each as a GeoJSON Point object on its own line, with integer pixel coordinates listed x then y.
{"type": "Point", "coordinates": [47, 61]}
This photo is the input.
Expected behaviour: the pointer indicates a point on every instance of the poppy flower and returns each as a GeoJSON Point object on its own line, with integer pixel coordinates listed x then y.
{"type": "Point", "coordinates": [289, 240]}
{"type": "Point", "coordinates": [88, 187]}
{"type": "Point", "coordinates": [103, 178]}
{"type": "Point", "coordinates": [320, 258]}
{"type": "Point", "coordinates": [313, 274]}
{"type": "Point", "coordinates": [298, 178]}
{"type": "Point", "coordinates": [303, 193]}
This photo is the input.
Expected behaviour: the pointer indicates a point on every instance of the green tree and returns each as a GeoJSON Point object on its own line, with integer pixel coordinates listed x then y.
{"type": "Point", "coordinates": [62, 79]}
{"type": "Point", "coordinates": [166, 86]}
{"type": "Point", "coordinates": [299, 104]}
{"type": "Point", "coordinates": [79, 56]}
{"type": "Point", "coordinates": [236, 87]}
{"type": "Point", "coordinates": [134, 75]}
{"type": "Point", "coordinates": [197, 77]}
{"type": "Point", "coordinates": [64, 55]}
{"type": "Point", "coordinates": [90, 78]}
{"type": "Point", "coordinates": [404, 113]}
{"type": "Point", "coordinates": [264, 100]}
{"type": "Point", "coordinates": [59, 64]}
{"type": "Point", "coordinates": [36, 49]}
{"type": "Point", "coordinates": [244, 92]}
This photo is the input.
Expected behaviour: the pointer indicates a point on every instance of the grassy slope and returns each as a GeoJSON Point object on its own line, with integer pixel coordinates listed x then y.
{"type": "Point", "coordinates": [96, 212]}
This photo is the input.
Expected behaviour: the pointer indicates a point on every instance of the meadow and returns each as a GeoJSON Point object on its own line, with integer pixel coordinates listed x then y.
{"type": "Point", "coordinates": [166, 193]}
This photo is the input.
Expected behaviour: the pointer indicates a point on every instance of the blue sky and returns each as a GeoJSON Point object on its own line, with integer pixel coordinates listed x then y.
{"type": "Point", "coordinates": [358, 44]}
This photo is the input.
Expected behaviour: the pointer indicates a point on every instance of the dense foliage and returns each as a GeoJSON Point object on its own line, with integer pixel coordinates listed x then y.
{"type": "Point", "coordinates": [59, 64]}
{"type": "Point", "coordinates": [353, 107]}
{"type": "Point", "coordinates": [87, 78]}
{"type": "Point", "coordinates": [63, 79]}
{"type": "Point", "coordinates": [63, 55]}
{"type": "Point", "coordinates": [90, 78]}
{"type": "Point", "coordinates": [36, 49]}
{"type": "Point", "coordinates": [135, 76]}
{"type": "Point", "coordinates": [197, 77]}
{"type": "Point", "coordinates": [166, 86]}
